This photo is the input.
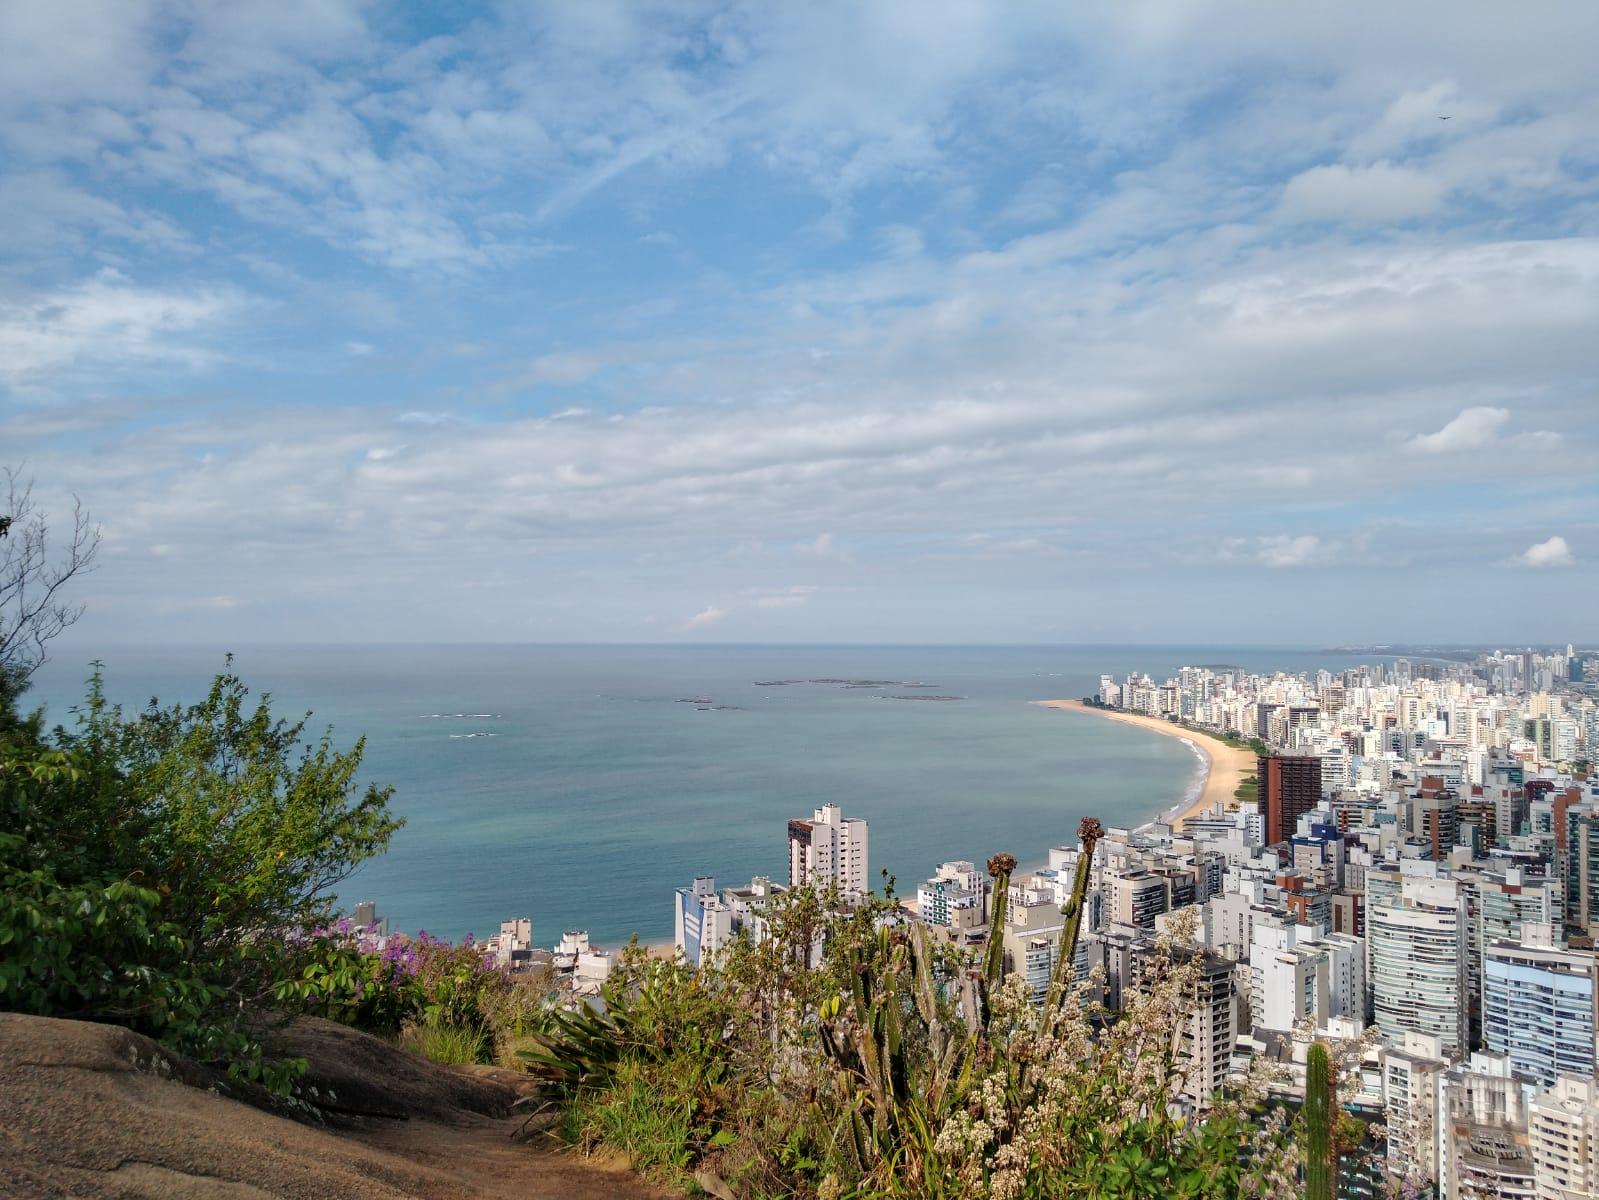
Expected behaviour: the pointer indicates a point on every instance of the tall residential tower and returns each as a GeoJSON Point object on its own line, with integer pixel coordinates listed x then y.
{"type": "Point", "coordinates": [828, 848]}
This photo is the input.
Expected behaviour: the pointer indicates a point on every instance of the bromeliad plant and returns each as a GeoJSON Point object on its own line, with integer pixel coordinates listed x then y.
{"type": "Point", "coordinates": [900, 1068]}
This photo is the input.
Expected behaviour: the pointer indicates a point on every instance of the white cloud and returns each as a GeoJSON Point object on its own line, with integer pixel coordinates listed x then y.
{"type": "Point", "coordinates": [108, 321]}
{"type": "Point", "coordinates": [707, 616]}
{"type": "Point", "coordinates": [1160, 360]}
{"type": "Point", "coordinates": [822, 547]}
{"type": "Point", "coordinates": [1284, 551]}
{"type": "Point", "coordinates": [1380, 192]}
{"type": "Point", "coordinates": [790, 597]}
{"type": "Point", "coordinates": [421, 417]}
{"type": "Point", "coordinates": [1539, 439]}
{"type": "Point", "coordinates": [1552, 553]}
{"type": "Point", "coordinates": [1473, 429]}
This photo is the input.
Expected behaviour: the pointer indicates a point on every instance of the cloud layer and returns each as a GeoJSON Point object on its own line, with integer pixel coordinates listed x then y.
{"type": "Point", "coordinates": [834, 323]}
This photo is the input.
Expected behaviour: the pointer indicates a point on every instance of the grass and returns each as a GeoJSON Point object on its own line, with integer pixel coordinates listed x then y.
{"type": "Point", "coordinates": [638, 1117]}
{"type": "Point", "coordinates": [1248, 790]}
{"type": "Point", "coordinates": [449, 1044]}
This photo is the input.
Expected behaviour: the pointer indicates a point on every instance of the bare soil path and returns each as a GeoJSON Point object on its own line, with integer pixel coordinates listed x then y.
{"type": "Point", "coordinates": [97, 1111]}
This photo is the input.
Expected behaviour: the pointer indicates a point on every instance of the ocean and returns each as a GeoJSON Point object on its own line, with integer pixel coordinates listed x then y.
{"type": "Point", "coordinates": [579, 785]}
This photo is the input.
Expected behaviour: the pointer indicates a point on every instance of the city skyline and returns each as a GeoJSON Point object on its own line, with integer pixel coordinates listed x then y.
{"type": "Point", "coordinates": [719, 323]}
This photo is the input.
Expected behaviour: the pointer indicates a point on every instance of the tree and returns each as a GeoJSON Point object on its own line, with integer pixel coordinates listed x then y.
{"type": "Point", "coordinates": [33, 576]}
{"type": "Point", "coordinates": [165, 871]}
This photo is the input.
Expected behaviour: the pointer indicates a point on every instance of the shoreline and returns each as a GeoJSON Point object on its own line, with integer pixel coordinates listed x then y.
{"type": "Point", "coordinates": [1224, 767]}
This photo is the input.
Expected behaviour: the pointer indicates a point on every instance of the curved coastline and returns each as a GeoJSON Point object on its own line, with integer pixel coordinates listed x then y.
{"type": "Point", "coordinates": [1222, 767]}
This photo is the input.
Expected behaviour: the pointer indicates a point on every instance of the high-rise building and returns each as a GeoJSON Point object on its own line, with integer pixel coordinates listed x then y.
{"type": "Point", "coordinates": [1538, 1005]}
{"type": "Point", "coordinates": [1582, 866]}
{"type": "Point", "coordinates": [1289, 787]}
{"type": "Point", "coordinates": [367, 918]}
{"type": "Point", "coordinates": [704, 920]}
{"type": "Point", "coordinates": [829, 848]}
{"type": "Point", "coordinates": [1412, 1074]}
{"type": "Point", "coordinates": [1418, 962]}
{"type": "Point", "coordinates": [1564, 1127]}
{"type": "Point", "coordinates": [1483, 1143]}
{"type": "Point", "coordinates": [953, 898]}
{"type": "Point", "coordinates": [1205, 1049]}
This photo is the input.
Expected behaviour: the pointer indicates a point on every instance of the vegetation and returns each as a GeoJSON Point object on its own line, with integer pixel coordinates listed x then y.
{"type": "Point", "coordinates": [446, 1043]}
{"type": "Point", "coordinates": [34, 574]}
{"type": "Point", "coordinates": [173, 870]}
{"type": "Point", "coordinates": [899, 1068]}
{"type": "Point", "coordinates": [1321, 1103]}
{"type": "Point", "coordinates": [1248, 790]}
{"type": "Point", "coordinates": [165, 870]}
{"type": "Point", "coordinates": [447, 1002]}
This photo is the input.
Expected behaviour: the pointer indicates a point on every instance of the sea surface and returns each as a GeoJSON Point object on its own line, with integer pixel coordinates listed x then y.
{"type": "Point", "coordinates": [579, 785]}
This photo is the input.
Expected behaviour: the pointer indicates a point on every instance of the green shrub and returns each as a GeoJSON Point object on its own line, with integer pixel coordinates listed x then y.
{"type": "Point", "coordinates": [897, 1069]}
{"type": "Point", "coordinates": [164, 871]}
{"type": "Point", "coordinates": [386, 985]}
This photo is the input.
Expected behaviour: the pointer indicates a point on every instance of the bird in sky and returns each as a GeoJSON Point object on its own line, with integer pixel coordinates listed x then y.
{"type": "Point", "coordinates": [1444, 118]}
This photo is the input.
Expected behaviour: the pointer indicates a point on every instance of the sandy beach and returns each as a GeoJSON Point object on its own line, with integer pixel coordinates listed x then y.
{"type": "Point", "coordinates": [1226, 766]}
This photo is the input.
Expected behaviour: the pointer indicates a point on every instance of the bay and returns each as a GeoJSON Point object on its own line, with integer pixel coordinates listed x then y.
{"type": "Point", "coordinates": [579, 785]}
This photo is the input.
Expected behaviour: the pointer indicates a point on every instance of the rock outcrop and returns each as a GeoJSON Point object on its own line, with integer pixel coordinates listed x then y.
{"type": "Point", "coordinates": [98, 1111]}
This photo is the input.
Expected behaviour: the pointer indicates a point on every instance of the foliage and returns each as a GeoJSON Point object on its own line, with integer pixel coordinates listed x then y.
{"type": "Point", "coordinates": [400, 985]}
{"type": "Point", "coordinates": [163, 871]}
{"type": "Point", "coordinates": [898, 1067]}
{"type": "Point", "coordinates": [445, 1043]}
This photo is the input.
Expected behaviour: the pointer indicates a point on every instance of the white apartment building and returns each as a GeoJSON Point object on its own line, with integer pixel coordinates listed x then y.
{"type": "Point", "coordinates": [1484, 1149]}
{"type": "Point", "coordinates": [1411, 1074]}
{"type": "Point", "coordinates": [704, 921]}
{"type": "Point", "coordinates": [1302, 973]}
{"type": "Point", "coordinates": [1564, 1130]}
{"type": "Point", "coordinates": [954, 897]}
{"type": "Point", "coordinates": [1538, 1005]}
{"type": "Point", "coordinates": [1418, 962]}
{"type": "Point", "coordinates": [829, 848]}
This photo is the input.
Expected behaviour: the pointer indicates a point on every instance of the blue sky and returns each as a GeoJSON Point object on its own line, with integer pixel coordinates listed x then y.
{"type": "Point", "coordinates": [754, 322]}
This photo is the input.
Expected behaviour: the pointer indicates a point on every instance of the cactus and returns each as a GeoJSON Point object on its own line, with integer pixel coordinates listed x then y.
{"type": "Point", "coordinates": [1320, 1113]}
{"type": "Point", "coordinates": [1000, 867]}
{"type": "Point", "coordinates": [891, 1003]}
{"type": "Point", "coordinates": [1089, 831]}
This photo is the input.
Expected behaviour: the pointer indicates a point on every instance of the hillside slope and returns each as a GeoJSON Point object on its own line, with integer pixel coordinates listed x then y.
{"type": "Point", "coordinates": [98, 1111]}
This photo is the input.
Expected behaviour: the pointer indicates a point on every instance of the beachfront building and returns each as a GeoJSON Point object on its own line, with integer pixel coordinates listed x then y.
{"type": "Point", "coordinates": [705, 922]}
{"type": "Point", "coordinates": [828, 849]}
{"type": "Point", "coordinates": [953, 898]}
{"type": "Point", "coordinates": [512, 947]}
{"type": "Point", "coordinates": [1290, 787]}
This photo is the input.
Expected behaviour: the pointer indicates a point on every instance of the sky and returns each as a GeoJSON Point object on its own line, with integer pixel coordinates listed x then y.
{"type": "Point", "coordinates": [752, 322]}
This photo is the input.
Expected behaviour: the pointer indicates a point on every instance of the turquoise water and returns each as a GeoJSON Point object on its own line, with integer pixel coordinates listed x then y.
{"type": "Point", "coordinates": [594, 790]}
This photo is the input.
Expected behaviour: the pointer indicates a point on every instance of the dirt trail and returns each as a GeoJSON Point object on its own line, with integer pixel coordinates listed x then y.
{"type": "Point", "coordinates": [96, 1111]}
